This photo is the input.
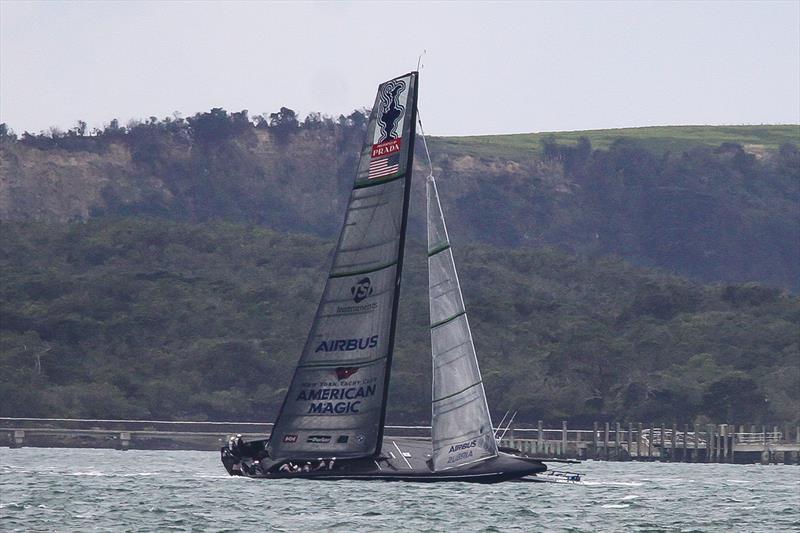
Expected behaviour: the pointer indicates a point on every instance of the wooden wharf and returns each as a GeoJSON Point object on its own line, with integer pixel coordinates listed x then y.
{"type": "Point", "coordinates": [710, 443]}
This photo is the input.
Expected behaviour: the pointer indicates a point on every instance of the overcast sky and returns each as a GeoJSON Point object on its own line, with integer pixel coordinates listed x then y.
{"type": "Point", "coordinates": [490, 67]}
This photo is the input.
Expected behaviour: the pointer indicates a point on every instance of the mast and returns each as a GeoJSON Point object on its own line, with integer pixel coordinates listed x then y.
{"type": "Point", "coordinates": [336, 403]}
{"type": "Point", "coordinates": [403, 227]}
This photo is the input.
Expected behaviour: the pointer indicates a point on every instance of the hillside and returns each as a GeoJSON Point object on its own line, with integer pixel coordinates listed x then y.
{"type": "Point", "coordinates": [142, 317]}
{"type": "Point", "coordinates": [720, 206]}
{"type": "Point", "coordinates": [656, 139]}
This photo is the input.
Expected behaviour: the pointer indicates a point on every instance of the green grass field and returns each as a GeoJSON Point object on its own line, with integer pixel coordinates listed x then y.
{"type": "Point", "coordinates": [658, 139]}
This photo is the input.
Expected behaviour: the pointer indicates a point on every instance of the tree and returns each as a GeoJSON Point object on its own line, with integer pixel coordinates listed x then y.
{"type": "Point", "coordinates": [283, 123]}
{"type": "Point", "coordinates": [6, 133]}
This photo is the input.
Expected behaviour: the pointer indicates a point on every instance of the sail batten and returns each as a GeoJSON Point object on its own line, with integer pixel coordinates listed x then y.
{"type": "Point", "coordinates": [342, 362]}
{"type": "Point", "coordinates": [336, 403]}
{"type": "Point", "coordinates": [446, 320]}
{"type": "Point", "coordinates": [461, 428]}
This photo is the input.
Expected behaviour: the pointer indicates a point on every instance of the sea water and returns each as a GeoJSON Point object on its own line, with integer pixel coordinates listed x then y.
{"type": "Point", "coordinates": [47, 489]}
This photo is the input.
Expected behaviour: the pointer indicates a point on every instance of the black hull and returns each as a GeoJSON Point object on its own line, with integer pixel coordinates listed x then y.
{"type": "Point", "coordinates": [411, 466]}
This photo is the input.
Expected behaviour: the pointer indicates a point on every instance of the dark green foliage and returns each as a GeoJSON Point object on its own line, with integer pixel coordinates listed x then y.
{"type": "Point", "coordinates": [284, 123]}
{"type": "Point", "coordinates": [149, 318]}
{"type": "Point", "coordinates": [693, 201]}
{"type": "Point", "coordinates": [184, 316]}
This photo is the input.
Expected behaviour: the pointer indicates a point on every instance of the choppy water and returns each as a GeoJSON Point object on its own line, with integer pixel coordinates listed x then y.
{"type": "Point", "coordinates": [81, 489]}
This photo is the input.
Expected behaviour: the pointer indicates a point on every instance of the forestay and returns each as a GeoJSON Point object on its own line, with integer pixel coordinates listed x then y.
{"type": "Point", "coordinates": [461, 426]}
{"type": "Point", "coordinates": [335, 406]}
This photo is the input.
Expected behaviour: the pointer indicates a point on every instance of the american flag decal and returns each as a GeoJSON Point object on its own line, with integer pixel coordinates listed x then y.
{"type": "Point", "coordinates": [385, 166]}
{"type": "Point", "coordinates": [385, 159]}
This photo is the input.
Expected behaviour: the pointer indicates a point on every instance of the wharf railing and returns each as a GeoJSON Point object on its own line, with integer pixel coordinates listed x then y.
{"type": "Point", "coordinates": [604, 441]}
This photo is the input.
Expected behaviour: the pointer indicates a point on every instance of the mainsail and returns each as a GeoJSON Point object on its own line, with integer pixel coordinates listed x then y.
{"type": "Point", "coordinates": [461, 427]}
{"type": "Point", "coordinates": [336, 403]}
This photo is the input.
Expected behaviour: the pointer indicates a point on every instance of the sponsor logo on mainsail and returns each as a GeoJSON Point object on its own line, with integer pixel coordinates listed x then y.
{"type": "Point", "coordinates": [349, 399]}
{"type": "Point", "coordinates": [391, 110]}
{"type": "Point", "coordinates": [345, 372]}
{"type": "Point", "coordinates": [356, 309]}
{"type": "Point", "coordinates": [385, 157]}
{"type": "Point", "coordinates": [347, 345]}
{"type": "Point", "coordinates": [385, 166]}
{"type": "Point", "coordinates": [361, 290]}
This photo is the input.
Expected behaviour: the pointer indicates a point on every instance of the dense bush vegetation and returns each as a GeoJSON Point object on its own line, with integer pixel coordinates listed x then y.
{"type": "Point", "coordinates": [151, 318]}
{"type": "Point", "coordinates": [720, 212]}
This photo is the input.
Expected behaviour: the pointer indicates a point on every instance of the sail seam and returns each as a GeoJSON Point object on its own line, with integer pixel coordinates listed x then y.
{"type": "Point", "coordinates": [445, 321]}
{"type": "Point", "coordinates": [438, 249]}
{"type": "Point", "coordinates": [370, 206]}
{"type": "Point", "coordinates": [457, 346]}
{"type": "Point", "coordinates": [457, 403]}
{"type": "Point", "coordinates": [365, 271]}
{"type": "Point", "coordinates": [369, 247]}
{"type": "Point", "coordinates": [459, 392]}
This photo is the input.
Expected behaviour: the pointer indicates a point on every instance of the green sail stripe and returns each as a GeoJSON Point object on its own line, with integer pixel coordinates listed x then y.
{"type": "Point", "coordinates": [365, 271]}
{"type": "Point", "coordinates": [333, 364]}
{"type": "Point", "coordinates": [373, 182]}
{"type": "Point", "coordinates": [459, 392]}
{"type": "Point", "coordinates": [440, 248]}
{"type": "Point", "coordinates": [445, 321]}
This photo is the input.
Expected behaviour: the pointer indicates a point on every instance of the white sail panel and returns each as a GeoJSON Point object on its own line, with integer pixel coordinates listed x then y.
{"type": "Point", "coordinates": [461, 426]}
{"type": "Point", "coordinates": [335, 404]}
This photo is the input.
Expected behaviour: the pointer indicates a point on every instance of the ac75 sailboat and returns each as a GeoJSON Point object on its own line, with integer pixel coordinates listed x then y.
{"type": "Point", "coordinates": [331, 423]}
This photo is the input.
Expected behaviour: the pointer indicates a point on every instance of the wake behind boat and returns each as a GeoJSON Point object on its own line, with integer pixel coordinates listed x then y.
{"type": "Point", "coordinates": [331, 423]}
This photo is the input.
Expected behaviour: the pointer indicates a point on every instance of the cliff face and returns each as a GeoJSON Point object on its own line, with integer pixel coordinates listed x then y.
{"type": "Point", "coordinates": [56, 185]}
{"type": "Point", "coordinates": [712, 213]}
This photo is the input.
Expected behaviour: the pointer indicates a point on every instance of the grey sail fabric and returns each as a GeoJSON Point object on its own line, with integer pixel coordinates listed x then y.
{"type": "Point", "coordinates": [335, 405]}
{"type": "Point", "coordinates": [461, 426]}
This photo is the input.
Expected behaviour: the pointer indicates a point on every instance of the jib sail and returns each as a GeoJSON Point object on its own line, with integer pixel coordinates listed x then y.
{"type": "Point", "coordinates": [461, 426]}
{"type": "Point", "coordinates": [336, 403]}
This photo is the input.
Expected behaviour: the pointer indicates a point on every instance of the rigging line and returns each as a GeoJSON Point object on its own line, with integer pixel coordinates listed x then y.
{"type": "Point", "coordinates": [500, 425]}
{"type": "Point", "coordinates": [508, 426]}
{"type": "Point", "coordinates": [424, 142]}
{"type": "Point", "coordinates": [402, 455]}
